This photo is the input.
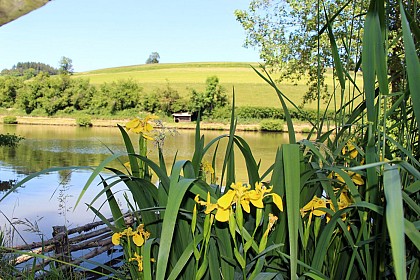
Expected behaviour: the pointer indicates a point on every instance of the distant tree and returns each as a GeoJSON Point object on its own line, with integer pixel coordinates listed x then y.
{"type": "Point", "coordinates": [29, 73]}
{"type": "Point", "coordinates": [66, 66]}
{"type": "Point", "coordinates": [214, 96]}
{"type": "Point", "coordinates": [57, 94]}
{"type": "Point", "coordinates": [82, 94]}
{"type": "Point", "coordinates": [9, 86]}
{"type": "Point", "coordinates": [153, 58]}
{"type": "Point", "coordinates": [47, 94]}
{"type": "Point", "coordinates": [29, 95]}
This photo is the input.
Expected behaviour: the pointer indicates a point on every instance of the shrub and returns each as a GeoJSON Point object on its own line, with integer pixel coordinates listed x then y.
{"type": "Point", "coordinates": [306, 130]}
{"type": "Point", "coordinates": [84, 121]}
{"type": "Point", "coordinates": [169, 100]}
{"type": "Point", "coordinates": [150, 103]}
{"type": "Point", "coordinates": [10, 120]}
{"type": "Point", "coordinates": [251, 112]}
{"type": "Point", "coordinates": [259, 112]}
{"type": "Point", "coordinates": [38, 112]}
{"type": "Point", "coordinates": [271, 125]}
{"type": "Point", "coordinates": [221, 112]}
{"type": "Point", "coordinates": [116, 96]}
{"type": "Point", "coordinates": [127, 113]}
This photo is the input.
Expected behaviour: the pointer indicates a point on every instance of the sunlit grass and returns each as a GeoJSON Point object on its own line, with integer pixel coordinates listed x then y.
{"type": "Point", "coordinates": [250, 90]}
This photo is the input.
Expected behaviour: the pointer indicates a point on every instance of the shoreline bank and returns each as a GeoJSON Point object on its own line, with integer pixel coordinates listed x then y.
{"type": "Point", "coordinates": [61, 121]}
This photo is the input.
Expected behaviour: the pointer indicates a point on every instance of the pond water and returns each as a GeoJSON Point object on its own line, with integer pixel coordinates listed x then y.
{"type": "Point", "coordinates": [48, 200]}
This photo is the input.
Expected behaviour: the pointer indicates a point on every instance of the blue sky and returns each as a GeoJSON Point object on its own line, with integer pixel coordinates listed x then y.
{"type": "Point", "coordinates": [109, 33]}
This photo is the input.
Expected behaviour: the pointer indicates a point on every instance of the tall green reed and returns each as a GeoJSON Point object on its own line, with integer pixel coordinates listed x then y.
{"type": "Point", "coordinates": [376, 178]}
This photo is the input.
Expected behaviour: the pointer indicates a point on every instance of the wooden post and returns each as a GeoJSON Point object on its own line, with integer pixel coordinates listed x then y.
{"type": "Point", "coordinates": [62, 246]}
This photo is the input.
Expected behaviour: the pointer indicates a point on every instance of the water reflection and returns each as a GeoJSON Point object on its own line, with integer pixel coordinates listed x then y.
{"type": "Point", "coordinates": [6, 185]}
{"type": "Point", "coordinates": [56, 146]}
{"type": "Point", "coordinates": [52, 146]}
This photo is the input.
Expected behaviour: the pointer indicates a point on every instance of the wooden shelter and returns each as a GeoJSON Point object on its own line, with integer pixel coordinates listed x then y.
{"type": "Point", "coordinates": [182, 117]}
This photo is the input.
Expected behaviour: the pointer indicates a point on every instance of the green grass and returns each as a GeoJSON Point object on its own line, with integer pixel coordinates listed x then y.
{"type": "Point", "coordinates": [250, 89]}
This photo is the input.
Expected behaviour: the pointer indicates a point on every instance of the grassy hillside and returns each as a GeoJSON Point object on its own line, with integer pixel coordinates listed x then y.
{"type": "Point", "coordinates": [250, 89]}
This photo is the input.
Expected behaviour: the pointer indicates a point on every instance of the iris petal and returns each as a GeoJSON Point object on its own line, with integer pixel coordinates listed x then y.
{"type": "Point", "coordinates": [138, 239]}
{"type": "Point", "coordinates": [257, 202]}
{"type": "Point", "coordinates": [222, 215]}
{"type": "Point", "coordinates": [277, 201]}
{"type": "Point", "coordinates": [116, 238]}
{"type": "Point", "coordinates": [132, 124]}
{"type": "Point", "coordinates": [245, 206]}
{"type": "Point", "coordinates": [226, 200]}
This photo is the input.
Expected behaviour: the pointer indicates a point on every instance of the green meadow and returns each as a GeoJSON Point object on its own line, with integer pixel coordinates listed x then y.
{"type": "Point", "coordinates": [250, 89]}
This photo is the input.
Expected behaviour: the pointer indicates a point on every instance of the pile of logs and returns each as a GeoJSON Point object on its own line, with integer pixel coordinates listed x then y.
{"type": "Point", "coordinates": [93, 237]}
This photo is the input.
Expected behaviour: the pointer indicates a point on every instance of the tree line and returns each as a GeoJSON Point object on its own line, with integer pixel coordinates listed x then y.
{"type": "Point", "coordinates": [52, 94]}
{"type": "Point", "coordinates": [29, 69]}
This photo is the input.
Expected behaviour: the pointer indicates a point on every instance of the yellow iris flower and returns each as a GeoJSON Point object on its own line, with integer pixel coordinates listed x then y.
{"type": "Point", "coordinates": [207, 167]}
{"type": "Point", "coordinates": [209, 206]}
{"type": "Point", "coordinates": [343, 202]}
{"type": "Point", "coordinates": [139, 259]}
{"type": "Point", "coordinates": [241, 196]}
{"type": "Point", "coordinates": [313, 207]}
{"type": "Point", "coordinates": [350, 150]}
{"type": "Point", "coordinates": [208, 170]}
{"type": "Point", "coordinates": [141, 126]}
{"type": "Point", "coordinates": [355, 177]}
{"type": "Point", "coordinates": [271, 221]}
{"type": "Point", "coordinates": [256, 196]}
{"type": "Point", "coordinates": [139, 236]}
{"type": "Point", "coordinates": [238, 194]}
{"type": "Point", "coordinates": [116, 237]}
